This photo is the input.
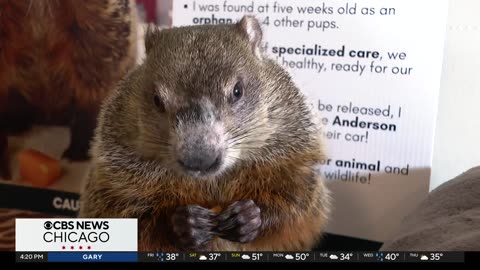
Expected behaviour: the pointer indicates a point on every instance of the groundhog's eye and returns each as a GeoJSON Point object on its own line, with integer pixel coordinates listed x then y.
{"type": "Point", "coordinates": [237, 91]}
{"type": "Point", "coordinates": [159, 103]}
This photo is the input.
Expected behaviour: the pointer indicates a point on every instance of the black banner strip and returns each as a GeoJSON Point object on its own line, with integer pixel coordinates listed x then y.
{"type": "Point", "coordinates": [39, 200]}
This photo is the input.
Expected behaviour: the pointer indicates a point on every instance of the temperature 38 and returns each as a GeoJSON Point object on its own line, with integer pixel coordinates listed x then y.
{"type": "Point", "coordinates": [171, 256]}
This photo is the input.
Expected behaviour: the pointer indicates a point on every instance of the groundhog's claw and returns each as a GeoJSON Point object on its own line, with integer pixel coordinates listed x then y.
{"type": "Point", "coordinates": [240, 222]}
{"type": "Point", "coordinates": [194, 226]}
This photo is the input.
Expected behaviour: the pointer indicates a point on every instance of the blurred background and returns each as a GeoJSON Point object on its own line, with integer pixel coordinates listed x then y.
{"type": "Point", "coordinates": [155, 11]}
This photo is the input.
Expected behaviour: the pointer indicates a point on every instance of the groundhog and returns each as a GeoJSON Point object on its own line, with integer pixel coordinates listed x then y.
{"type": "Point", "coordinates": [211, 146]}
{"type": "Point", "coordinates": [58, 61]}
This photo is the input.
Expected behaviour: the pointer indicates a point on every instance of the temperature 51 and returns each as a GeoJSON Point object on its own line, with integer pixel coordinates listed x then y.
{"type": "Point", "coordinates": [256, 256]}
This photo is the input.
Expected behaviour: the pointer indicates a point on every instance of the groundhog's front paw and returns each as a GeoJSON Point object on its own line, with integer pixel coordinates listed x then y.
{"type": "Point", "coordinates": [240, 222]}
{"type": "Point", "coordinates": [193, 226]}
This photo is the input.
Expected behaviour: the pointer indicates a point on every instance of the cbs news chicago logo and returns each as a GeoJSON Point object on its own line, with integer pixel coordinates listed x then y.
{"type": "Point", "coordinates": [76, 234]}
{"type": "Point", "coordinates": [66, 232]}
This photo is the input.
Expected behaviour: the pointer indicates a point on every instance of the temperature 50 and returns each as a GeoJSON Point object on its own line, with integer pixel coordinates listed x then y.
{"type": "Point", "coordinates": [301, 256]}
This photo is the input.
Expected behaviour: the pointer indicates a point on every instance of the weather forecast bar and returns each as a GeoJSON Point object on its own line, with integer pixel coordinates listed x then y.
{"type": "Point", "coordinates": [162, 257]}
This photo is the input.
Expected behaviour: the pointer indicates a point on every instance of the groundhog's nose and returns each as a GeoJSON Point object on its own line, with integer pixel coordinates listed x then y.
{"type": "Point", "coordinates": [201, 161]}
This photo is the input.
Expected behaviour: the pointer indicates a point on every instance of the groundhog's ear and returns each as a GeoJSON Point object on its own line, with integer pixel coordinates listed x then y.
{"type": "Point", "coordinates": [152, 32]}
{"type": "Point", "coordinates": [250, 27]}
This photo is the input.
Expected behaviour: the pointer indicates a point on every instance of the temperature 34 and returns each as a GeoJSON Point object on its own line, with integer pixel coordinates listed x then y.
{"type": "Point", "coordinates": [346, 256]}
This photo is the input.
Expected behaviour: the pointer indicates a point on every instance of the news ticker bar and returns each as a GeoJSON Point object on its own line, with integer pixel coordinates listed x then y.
{"type": "Point", "coordinates": [160, 257]}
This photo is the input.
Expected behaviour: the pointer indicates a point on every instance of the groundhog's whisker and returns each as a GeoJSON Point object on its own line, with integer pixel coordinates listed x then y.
{"type": "Point", "coordinates": [245, 138]}
{"type": "Point", "coordinates": [247, 121]}
{"type": "Point", "coordinates": [260, 127]}
{"type": "Point", "coordinates": [250, 147]}
{"type": "Point", "coordinates": [236, 139]}
{"type": "Point", "coordinates": [156, 144]}
{"type": "Point", "coordinates": [156, 140]}
{"type": "Point", "coordinates": [153, 136]}
{"type": "Point", "coordinates": [157, 147]}
{"type": "Point", "coordinates": [247, 144]}
{"type": "Point", "coordinates": [249, 129]}
{"type": "Point", "coordinates": [233, 157]}
{"type": "Point", "coordinates": [278, 118]}
{"type": "Point", "coordinates": [247, 133]}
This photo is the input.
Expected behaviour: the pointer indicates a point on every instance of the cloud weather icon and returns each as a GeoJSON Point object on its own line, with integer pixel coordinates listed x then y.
{"type": "Point", "coordinates": [424, 258]}
{"type": "Point", "coordinates": [245, 257]}
{"type": "Point", "coordinates": [289, 257]}
{"type": "Point", "coordinates": [333, 257]}
{"type": "Point", "coordinates": [202, 258]}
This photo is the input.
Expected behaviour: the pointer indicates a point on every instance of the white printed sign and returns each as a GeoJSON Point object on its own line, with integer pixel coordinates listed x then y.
{"type": "Point", "coordinates": [372, 69]}
{"type": "Point", "coordinates": [71, 234]}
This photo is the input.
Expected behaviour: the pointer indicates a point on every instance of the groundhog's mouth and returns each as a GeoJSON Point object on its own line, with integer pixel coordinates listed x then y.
{"type": "Point", "coordinates": [202, 168]}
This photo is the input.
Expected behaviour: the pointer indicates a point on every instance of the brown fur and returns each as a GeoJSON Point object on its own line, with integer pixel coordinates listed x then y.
{"type": "Point", "coordinates": [58, 61]}
{"type": "Point", "coordinates": [275, 167]}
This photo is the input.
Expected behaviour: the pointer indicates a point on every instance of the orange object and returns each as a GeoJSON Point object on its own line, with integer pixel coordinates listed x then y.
{"type": "Point", "coordinates": [38, 168]}
{"type": "Point", "coordinates": [217, 209]}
